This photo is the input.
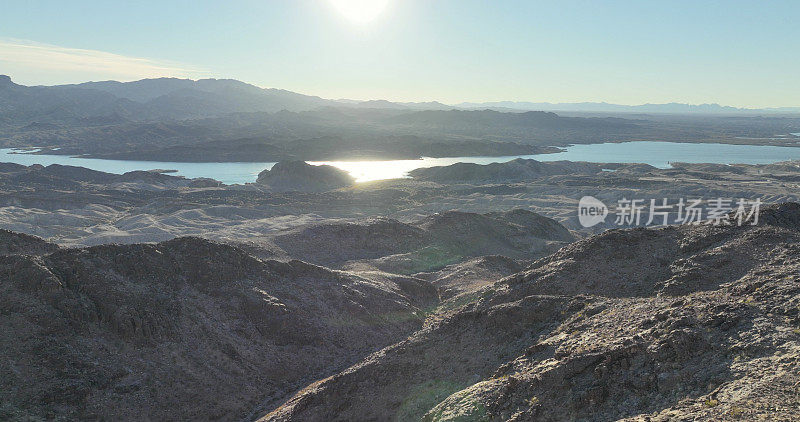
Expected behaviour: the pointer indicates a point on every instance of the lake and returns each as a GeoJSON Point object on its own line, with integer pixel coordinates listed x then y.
{"type": "Point", "coordinates": [658, 154]}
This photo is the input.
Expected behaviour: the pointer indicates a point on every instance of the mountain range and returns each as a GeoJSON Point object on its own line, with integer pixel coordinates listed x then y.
{"type": "Point", "coordinates": [147, 99]}
{"type": "Point", "coordinates": [603, 107]}
{"type": "Point", "coordinates": [223, 120]}
{"type": "Point", "coordinates": [172, 98]}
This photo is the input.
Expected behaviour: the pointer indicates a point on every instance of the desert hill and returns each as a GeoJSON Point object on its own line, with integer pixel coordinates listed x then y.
{"type": "Point", "coordinates": [683, 322]}
{"type": "Point", "coordinates": [428, 244]}
{"type": "Point", "coordinates": [12, 243]}
{"type": "Point", "coordinates": [293, 176]}
{"type": "Point", "coordinates": [182, 329]}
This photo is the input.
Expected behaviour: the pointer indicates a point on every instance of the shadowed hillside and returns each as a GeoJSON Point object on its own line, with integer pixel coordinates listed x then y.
{"type": "Point", "coordinates": [183, 329]}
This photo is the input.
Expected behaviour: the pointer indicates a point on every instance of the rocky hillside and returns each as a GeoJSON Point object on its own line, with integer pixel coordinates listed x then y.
{"type": "Point", "coordinates": [471, 275]}
{"type": "Point", "coordinates": [428, 244]}
{"type": "Point", "coordinates": [184, 329]}
{"type": "Point", "coordinates": [288, 176]}
{"type": "Point", "coordinates": [12, 243]}
{"type": "Point", "coordinates": [676, 323]}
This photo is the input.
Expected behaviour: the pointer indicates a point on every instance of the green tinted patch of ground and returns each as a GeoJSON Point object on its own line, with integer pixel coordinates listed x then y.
{"type": "Point", "coordinates": [424, 397]}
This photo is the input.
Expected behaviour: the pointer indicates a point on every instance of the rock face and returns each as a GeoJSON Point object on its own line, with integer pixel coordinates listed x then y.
{"type": "Point", "coordinates": [302, 177]}
{"type": "Point", "coordinates": [184, 329]}
{"type": "Point", "coordinates": [677, 323]}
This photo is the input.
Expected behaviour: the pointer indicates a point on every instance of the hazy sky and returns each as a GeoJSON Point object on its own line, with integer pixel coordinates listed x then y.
{"type": "Point", "coordinates": [740, 53]}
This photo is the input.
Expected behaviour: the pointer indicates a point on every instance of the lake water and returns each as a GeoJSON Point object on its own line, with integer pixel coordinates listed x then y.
{"type": "Point", "coordinates": [658, 154]}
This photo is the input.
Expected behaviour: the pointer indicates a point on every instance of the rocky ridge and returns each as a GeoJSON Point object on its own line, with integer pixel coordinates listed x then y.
{"type": "Point", "coordinates": [12, 243]}
{"type": "Point", "coordinates": [186, 328]}
{"type": "Point", "coordinates": [682, 322]}
{"type": "Point", "coordinates": [427, 244]}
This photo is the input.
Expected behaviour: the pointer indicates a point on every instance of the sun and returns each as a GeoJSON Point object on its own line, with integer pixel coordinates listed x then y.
{"type": "Point", "coordinates": [360, 11]}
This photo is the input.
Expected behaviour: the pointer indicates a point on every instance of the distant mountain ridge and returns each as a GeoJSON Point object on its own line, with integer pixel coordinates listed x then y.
{"type": "Point", "coordinates": [603, 107]}
{"type": "Point", "coordinates": [250, 97]}
{"type": "Point", "coordinates": [147, 99]}
{"type": "Point", "coordinates": [428, 105]}
{"type": "Point", "coordinates": [597, 107]}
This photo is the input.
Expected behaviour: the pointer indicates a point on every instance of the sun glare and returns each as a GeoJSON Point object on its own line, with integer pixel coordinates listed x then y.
{"type": "Point", "coordinates": [360, 11]}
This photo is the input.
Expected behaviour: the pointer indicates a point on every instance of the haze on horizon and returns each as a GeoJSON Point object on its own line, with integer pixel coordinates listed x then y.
{"type": "Point", "coordinates": [733, 53]}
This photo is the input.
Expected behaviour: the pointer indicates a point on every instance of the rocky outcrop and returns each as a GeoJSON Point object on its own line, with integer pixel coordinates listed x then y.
{"type": "Point", "coordinates": [288, 176]}
{"type": "Point", "coordinates": [184, 329]}
{"type": "Point", "coordinates": [677, 323]}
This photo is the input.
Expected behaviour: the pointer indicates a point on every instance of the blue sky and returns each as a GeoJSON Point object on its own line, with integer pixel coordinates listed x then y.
{"type": "Point", "coordinates": [740, 53]}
